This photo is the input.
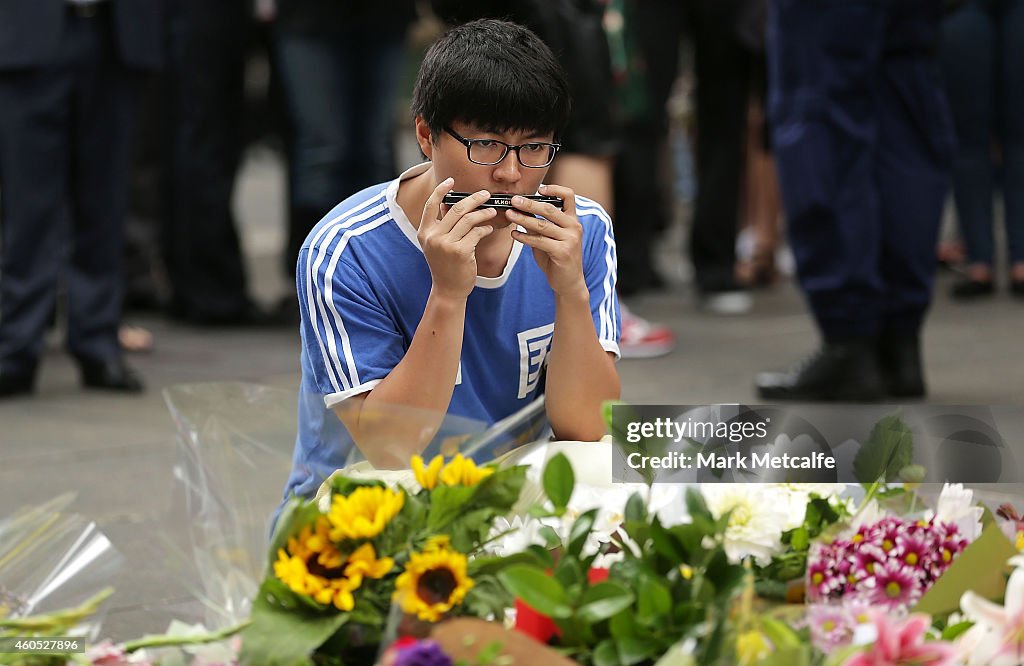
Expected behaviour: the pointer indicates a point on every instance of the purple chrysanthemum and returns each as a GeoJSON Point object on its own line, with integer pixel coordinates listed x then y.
{"type": "Point", "coordinates": [422, 653]}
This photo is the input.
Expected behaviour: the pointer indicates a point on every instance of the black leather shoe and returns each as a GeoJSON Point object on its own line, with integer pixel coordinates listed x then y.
{"type": "Point", "coordinates": [968, 289]}
{"type": "Point", "coordinates": [899, 360]}
{"type": "Point", "coordinates": [838, 371]}
{"type": "Point", "coordinates": [113, 375]}
{"type": "Point", "coordinates": [15, 385]}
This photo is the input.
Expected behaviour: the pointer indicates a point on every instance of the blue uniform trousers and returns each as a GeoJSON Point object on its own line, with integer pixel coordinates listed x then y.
{"type": "Point", "coordinates": [864, 143]}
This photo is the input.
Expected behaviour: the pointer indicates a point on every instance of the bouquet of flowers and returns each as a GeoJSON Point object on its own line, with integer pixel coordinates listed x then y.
{"type": "Point", "coordinates": [340, 565]}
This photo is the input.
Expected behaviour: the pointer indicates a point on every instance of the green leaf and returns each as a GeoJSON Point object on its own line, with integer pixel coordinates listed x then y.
{"type": "Point", "coordinates": [636, 509]}
{"type": "Point", "coordinates": [603, 601]}
{"type": "Point", "coordinates": [541, 556]}
{"type": "Point", "coordinates": [540, 591]}
{"type": "Point", "coordinates": [580, 531]}
{"type": "Point", "coordinates": [550, 536]}
{"type": "Point", "coordinates": [295, 515]}
{"type": "Point", "coordinates": [666, 544]}
{"type": "Point", "coordinates": [779, 633]}
{"type": "Point", "coordinates": [794, 655]}
{"type": "Point", "coordinates": [623, 626]}
{"type": "Point", "coordinates": [285, 635]}
{"type": "Point", "coordinates": [605, 654]}
{"type": "Point", "coordinates": [569, 573]}
{"type": "Point", "coordinates": [654, 600]}
{"type": "Point", "coordinates": [489, 565]}
{"type": "Point", "coordinates": [500, 491]}
{"type": "Point", "coordinates": [889, 449]}
{"type": "Point", "coordinates": [696, 506]}
{"type": "Point", "coordinates": [954, 631]}
{"type": "Point", "coordinates": [800, 539]}
{"type": "Point", "coordinates": [446, 504]}
{"type": "Point", "coordinates": [559, 480]}
{"type": "Point", "coordinates": [632, 651]}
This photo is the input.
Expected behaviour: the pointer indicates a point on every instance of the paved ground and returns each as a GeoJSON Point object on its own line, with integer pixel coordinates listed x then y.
{"type": "Point", "coordinates": [120, 454]}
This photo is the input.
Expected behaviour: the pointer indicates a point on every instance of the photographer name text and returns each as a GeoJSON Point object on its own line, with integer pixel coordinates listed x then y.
{"type": "Point", "coordinates": [737, 460]}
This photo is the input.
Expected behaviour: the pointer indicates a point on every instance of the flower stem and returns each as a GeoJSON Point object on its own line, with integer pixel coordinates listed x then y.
{"type": "Point", "coordinates": [168, 640]}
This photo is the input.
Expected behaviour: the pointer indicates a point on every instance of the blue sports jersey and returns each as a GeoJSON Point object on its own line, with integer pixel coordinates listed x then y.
{"type": "Point", "coordinates": [363, 284]}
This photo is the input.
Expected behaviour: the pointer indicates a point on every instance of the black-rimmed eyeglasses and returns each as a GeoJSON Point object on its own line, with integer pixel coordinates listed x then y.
{"type": "Point", "coordinates": [488, 152]}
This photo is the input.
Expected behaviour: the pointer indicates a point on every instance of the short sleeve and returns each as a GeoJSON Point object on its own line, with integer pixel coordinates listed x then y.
{"type": "Point", "coordinates": [599, 271]}
{"type": "Point", "coordinates": [350, 340]}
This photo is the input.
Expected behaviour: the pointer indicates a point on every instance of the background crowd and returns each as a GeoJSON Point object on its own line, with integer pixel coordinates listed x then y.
{"type": "Point", "coordinates": [815, 138]}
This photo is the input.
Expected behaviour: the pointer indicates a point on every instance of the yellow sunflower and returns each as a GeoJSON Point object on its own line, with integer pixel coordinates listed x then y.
{"type": "Point", "coordinates": [426, 475]}
{"type": "Point", "coordinates": [364, 513]}
{"type": "Point", "coordinates": [459, 471]}
{"type": "Point", "coordinates": [313, 567]}
{"type": "Point", "coordinates": [434, 581]}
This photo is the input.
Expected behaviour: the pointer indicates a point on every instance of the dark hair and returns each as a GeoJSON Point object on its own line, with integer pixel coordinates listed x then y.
{"type": "Point", "coordinates": [494, 74]}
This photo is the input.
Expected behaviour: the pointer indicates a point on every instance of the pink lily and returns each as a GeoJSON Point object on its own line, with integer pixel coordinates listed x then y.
{"type": "Point", "coordinates": [901, 643]}
{"type": "Point", "coordinates": [998, 634]}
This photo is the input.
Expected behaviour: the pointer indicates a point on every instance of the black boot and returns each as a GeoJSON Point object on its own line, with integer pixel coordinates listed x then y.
{"type": "Point", "coordinates": [111, 375]}
{"type": "Point", "coordinates": [12, 385]}
{"type": "Point", "coordinates": [839, 371]}
{"type": "Point", "coordinates": [899, 359]}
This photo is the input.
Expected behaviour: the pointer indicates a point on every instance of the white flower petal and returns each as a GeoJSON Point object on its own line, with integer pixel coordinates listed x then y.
{"type": "Point", "coordinates": [982, 610]}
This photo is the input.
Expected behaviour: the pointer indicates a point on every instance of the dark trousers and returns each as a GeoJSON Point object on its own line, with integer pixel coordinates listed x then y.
{"type": "Point", "coordinates": [340, 89]}
{"type": "Point", "coordinates": [723, 75]}
{"type": "Point", "coordinates": [983, 62]}
{"type": "Point", "coordinates": [65, 144]}
{"type": "Point", "coordinates": [642, 206]}
{"type": "Point", "coordinates": [205, 93]}
{"type": "Point", "coordinates": [723, 69]}
{"type": "Point", "coordinates": [863, 141]}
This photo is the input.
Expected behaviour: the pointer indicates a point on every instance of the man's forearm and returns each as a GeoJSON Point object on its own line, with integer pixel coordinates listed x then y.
{"type": "Point", "coordinates": [424, 380]}
{"type": "Point", "coordinates": [425, 377]}
{"type": "Point", "coordinates": [581, 374]}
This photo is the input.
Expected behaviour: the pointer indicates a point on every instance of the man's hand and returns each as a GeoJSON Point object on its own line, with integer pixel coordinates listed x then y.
{"type": "Point", "coordinates": [449, 239]}
{"type": "Point", "coordinates": [556, 238]}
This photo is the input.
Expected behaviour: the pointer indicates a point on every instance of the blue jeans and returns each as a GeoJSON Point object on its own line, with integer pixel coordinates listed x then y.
{"type": "Point", "coordinates": [340, 90]}
{"type": "Point", "coordinates": [983, 60]}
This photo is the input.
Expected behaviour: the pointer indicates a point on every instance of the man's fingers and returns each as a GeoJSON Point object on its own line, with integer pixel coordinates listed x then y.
{"type": "Point", "coordinates": [467, 205]}
{"type": "Point", "coordinates": [542, 243]}
{"type": "Point", "coordinates": [539, 226]}
{"type": "Point", "coordinates": [566, 194]}
{"type": "Point", "coordinates": [475, 235]}
{"type": "Point", "coordinates": [469, 221]}
{"type": "Point", "coordinates": [432, 208]}
{"type": "Point", "coordinates": [545, 210]}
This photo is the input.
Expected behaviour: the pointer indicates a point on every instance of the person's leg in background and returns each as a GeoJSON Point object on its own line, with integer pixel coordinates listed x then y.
{"type": "Point", "coordinates": [1011, 119]}
{"type": "Point", "coordinates": [652, 35]}
{"type": "Point", "coordinates": [824, 65]}
{"type": "Point", "coordinates": [315, 88]}
{"type": "Point", "coordinates": [762, 203]}
{"type": "Point", "coordinates": [340, 87]}
{"type": "Point", "coordinates": [103, 123]}
{"type": "Point", "coordinates": [723, 72]}
{"type": "Point", "coordinates": [915, 153]}
{"type": "Point", "coordinates": [375, 57]}
{"type": "Point", "coordinates": [34, 140]}
{"type": "Point", "coordinates": [968, 52]}
{"type": "Point", "coordinates": [591, 146]}
{"type": "Point", "coordinates": [203, 254]}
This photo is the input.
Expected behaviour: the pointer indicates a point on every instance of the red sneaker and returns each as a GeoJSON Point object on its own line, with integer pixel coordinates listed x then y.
{"type": "Point", "coordinates": [642, 338]}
